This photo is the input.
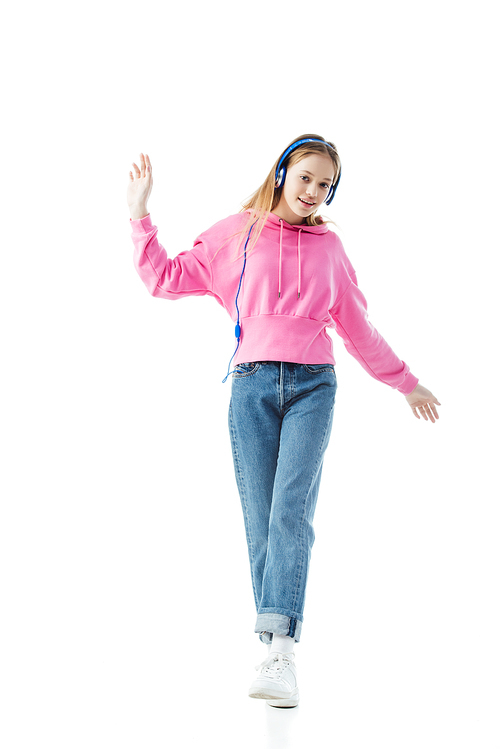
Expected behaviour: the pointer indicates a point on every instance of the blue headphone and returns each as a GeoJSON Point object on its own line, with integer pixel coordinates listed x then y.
{"type": "Point", "coordinates": [280, 176]}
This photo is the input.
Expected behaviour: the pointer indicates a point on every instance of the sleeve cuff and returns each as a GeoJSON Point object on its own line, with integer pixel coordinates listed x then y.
{"type": "Point", "coordinates": [409, 384]}
{"type": "Point", "coordinates": [144, 223]}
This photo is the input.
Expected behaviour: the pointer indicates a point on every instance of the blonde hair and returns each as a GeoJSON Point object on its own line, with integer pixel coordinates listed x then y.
{"type": "Point", "coordinates": [263, 201]}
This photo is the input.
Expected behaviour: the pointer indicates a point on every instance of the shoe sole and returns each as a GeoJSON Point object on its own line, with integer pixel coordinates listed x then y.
{"type": "Point", "coordinates": [285, 704]}
{"type": "Point", "coordinates": [275, 698]}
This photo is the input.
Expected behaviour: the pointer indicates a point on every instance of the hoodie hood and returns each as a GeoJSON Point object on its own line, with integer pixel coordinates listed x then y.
{"type": "Point", "coordinates": [277, 226]}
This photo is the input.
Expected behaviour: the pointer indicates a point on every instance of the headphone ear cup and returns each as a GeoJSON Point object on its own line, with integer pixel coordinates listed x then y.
{"type": "Point", "coordinates": [281, 177]}
{"type": "Point", "coordinates": [333, 190]}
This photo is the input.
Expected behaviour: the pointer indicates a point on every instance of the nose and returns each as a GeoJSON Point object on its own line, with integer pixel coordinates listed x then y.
{"type": "Point", "coordinates": [312, 190]}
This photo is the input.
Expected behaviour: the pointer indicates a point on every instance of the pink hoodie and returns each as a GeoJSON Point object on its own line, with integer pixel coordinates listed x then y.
{"type": "Point", "coordinates": [298, 281]}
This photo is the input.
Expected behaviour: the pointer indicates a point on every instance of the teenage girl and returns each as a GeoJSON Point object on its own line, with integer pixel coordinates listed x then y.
{"type": "Point", "coordinates": [284, 277]}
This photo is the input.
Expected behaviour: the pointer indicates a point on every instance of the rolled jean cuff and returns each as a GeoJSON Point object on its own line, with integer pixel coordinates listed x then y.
{"type": "Point", "coordinates": [279, 624]}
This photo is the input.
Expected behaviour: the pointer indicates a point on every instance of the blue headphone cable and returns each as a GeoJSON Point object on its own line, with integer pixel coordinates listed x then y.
{"type": "Point", "coordinates": [237, 330]}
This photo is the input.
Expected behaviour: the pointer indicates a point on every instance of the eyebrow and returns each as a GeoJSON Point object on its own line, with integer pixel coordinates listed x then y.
{"type": "Point", "coordinates": [327, 179]}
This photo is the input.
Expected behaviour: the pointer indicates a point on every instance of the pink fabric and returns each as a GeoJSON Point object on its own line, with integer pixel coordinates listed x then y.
{"type": "Point", "coordinates": [298, 281]}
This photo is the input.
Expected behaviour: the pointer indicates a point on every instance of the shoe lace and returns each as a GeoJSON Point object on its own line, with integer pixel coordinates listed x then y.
{"type": "Point", "coordinates": [275, 663]}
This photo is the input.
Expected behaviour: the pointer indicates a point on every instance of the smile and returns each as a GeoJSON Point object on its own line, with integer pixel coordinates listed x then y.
{"type": "Point", "coordinates": [305, 202]}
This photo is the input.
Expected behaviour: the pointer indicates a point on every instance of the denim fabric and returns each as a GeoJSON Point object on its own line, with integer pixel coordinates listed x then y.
{"type": "Point", "coordinates": [280, 421]}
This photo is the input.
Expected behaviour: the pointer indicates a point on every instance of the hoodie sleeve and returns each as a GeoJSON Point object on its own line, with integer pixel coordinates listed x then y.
{"type": "Point", "coordinates": [187, 274]}
{"type": "Point", "coordinates": [365, 343]}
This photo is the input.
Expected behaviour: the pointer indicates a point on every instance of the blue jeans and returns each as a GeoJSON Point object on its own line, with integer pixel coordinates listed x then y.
{"type": "Point", "coordinates": [280, 421]}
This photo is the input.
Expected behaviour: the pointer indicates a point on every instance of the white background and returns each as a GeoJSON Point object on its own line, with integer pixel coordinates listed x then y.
{"type": "Point", "coordinates": [127, 611]}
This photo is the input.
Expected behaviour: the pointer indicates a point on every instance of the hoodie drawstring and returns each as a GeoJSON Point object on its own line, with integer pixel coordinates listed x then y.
{"type": "Point", "coordinates": [298, 260]}
{"type": "Point", "coordinates": [279, 281]}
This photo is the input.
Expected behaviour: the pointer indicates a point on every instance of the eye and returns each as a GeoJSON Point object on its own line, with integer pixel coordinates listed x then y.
{"type": "Point", "coordinates": [324, 185]}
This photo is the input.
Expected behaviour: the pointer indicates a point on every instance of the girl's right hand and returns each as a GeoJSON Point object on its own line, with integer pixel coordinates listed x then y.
{"type": "Point", "coordinates": [140, 186]}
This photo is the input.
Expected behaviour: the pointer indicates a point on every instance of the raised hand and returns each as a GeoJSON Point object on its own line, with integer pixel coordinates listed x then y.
{"type": "Point", "coordinates": [140, 185]}
{"type": "Point", "coordinates": [421, 400]}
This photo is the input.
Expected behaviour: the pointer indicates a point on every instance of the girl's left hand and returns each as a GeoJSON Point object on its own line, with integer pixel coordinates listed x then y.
{"type": "Point", "coordinates": [421, 400]}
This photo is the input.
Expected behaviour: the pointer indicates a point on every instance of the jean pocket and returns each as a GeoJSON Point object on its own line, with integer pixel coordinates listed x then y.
{"type": "Point", "coordinates": [317, 368]}
{"type": "Point", "coordinates": [246, 369]}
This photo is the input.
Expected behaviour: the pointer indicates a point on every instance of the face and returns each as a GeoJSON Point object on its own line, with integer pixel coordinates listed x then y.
{"type": "Point", "coordinates": [307, 182]}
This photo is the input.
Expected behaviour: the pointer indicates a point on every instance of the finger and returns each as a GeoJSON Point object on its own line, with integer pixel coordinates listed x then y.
{"type": "Point", "coordinates": [429, 412]}
{"type": "Point", "coordinates": [422, 411]}
{"type": "Point", "coordinates": [434, 410]}
{"type": "Point", "coordinates": [416, 413]}
{"type": "Point", "coordinates": [138, 171]}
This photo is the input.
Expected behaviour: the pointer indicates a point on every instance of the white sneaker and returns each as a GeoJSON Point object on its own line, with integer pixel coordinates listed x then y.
{"type": "Point", "coordinates": [277, 681]}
